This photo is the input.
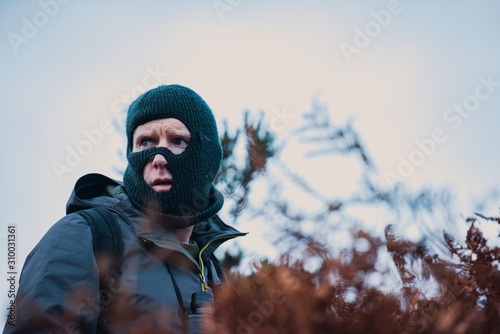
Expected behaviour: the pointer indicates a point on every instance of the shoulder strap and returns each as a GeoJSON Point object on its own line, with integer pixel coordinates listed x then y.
{"type": "Point", "coordinates": [108, 249]}
{"type": "Point", "coordinates": [107, 241]}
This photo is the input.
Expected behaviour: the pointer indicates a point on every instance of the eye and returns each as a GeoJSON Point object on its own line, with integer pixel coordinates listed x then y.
{"type": "Point", "coordinates": [146, 143]}
{"type": "Point", "coordinates": [181, 142]}
{"type": "Point", "coordinates": [177, 145]}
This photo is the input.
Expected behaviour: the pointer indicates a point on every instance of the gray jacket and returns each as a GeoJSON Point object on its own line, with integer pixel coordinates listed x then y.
{"type": "Point", "coordinates": [59, 284]}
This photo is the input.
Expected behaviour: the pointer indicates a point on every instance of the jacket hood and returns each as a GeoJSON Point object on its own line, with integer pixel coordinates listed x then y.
{"type": "Point", "coordinates": [91, 190]}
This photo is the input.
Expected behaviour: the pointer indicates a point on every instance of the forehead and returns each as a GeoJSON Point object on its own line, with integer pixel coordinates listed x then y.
{"type": "Point", "coordinates": [161, 125]}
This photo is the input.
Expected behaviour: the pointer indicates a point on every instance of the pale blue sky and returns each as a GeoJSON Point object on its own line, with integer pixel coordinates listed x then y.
{"type": "Point", "coordinates": [67, 77]}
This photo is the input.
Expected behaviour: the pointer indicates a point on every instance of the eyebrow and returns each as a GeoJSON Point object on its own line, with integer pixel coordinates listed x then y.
{"type": "Point", "coordinates": [181, 131]}
{"type": "Point", "coordinates": [185, 134]}
{"type": "Point", "coordinates": [145, 134]}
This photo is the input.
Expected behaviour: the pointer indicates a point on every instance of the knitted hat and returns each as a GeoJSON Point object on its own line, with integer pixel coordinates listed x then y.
{"type": "Point", "coordinates": [192, 197]}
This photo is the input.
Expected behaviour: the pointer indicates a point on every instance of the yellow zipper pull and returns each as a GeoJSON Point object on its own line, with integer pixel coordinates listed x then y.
{"type": "Point", "coordinates": [204, 285]}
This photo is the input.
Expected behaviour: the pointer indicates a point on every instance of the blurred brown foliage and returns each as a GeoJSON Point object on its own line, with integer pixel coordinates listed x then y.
{"type": "Point", "coordinates": [452, 290]}
{"type": "Point", "coordinates": [338, 297]}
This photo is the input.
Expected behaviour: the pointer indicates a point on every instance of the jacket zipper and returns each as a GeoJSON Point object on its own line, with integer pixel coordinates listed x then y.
{"type": "Point", "coordinates": [204, 285]}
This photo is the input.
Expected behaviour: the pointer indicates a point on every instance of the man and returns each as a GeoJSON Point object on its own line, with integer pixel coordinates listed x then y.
{"type": "Point", "coordinates": [166, 212]}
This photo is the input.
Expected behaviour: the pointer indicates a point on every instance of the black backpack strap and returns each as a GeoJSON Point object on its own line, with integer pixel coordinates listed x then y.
{"type": "Point", "coordinates": [107, 240]}
{"type": "Point", "coordinates": [108, 249]}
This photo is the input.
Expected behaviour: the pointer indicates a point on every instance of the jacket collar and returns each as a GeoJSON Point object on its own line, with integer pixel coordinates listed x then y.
{"type": "Point", "coordinates": [98, 190]}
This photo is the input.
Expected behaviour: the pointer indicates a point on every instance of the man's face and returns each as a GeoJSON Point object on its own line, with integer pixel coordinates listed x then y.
{"type": "Point", "coordinates": [166, 132]}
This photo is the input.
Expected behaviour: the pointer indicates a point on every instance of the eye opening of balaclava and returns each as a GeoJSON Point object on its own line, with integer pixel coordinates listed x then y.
{"type": "Point", "coordinates": [192, 197]}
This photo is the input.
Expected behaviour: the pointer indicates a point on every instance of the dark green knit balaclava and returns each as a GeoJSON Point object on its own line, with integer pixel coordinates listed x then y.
{"type": "Point", "coordinates": [192, 197]}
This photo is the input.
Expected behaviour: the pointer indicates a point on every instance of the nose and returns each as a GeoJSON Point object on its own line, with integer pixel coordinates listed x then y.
{"type": "Point", "coordinates": [159, 161]}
